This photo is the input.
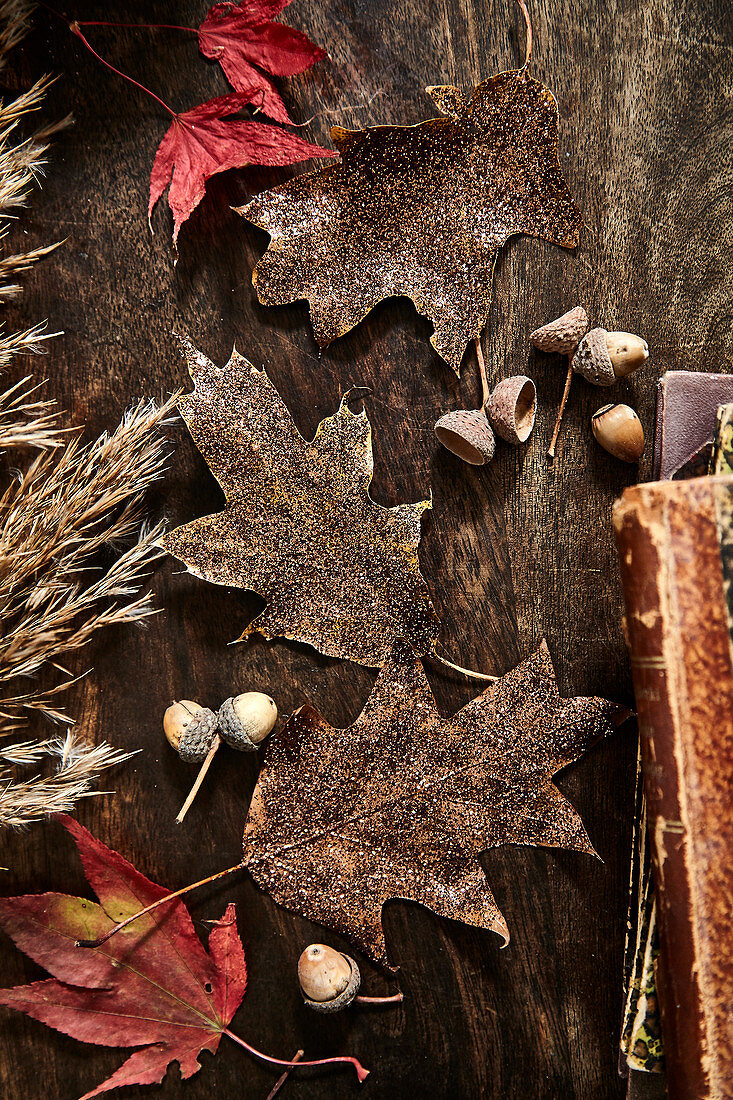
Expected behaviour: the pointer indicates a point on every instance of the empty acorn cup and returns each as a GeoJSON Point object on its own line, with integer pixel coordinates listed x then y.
{"type": "Point", "coordinates": [467, 434]}
{"type": "Point", "coordinates": [512, 408]}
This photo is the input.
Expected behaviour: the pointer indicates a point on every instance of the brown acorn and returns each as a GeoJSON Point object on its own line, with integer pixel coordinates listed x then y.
{"type": "Point", "coordinates": [562, 335]}
{"type": "Point", "coordinates": [512, 408]}
{"type": "Point", "coordinates": [618, 430]}
{"type": "Point", "coordinates": [603, 357]}
{"type": "Point", "coordinates": [467, 434]}
{"type": "Point", "coordinates": [190, 729]}
{"type": "Point", "coordinates": [329, 981]}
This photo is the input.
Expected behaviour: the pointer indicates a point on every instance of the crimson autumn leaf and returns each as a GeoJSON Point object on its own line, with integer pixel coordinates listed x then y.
{"type": "Point", "coordinates": [421, 211]}
{"type": "Point", "coordinates": [401, 803]}
{"type": "Point", "coordinates": [154, 987]}
{"type": "Point", "coordinates": [204, 141]}
{"type": "Point", "coordinates": [339, 571]}
{"type": "Point", "coordinates": [244, 40]}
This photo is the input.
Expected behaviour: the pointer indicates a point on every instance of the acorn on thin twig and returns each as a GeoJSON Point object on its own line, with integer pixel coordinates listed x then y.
{"type": "Point", "coordinates": [243, 721]}
{"type": "Point", "coordinates": [246, 719]}
{"type": "Point", "coordinates": [512, 408]}
{"type": "Point", "coordinates": [330, 980]}
{"type": "Point", "coordinates": [599, 356]}
{"type": "Point", "coordinates": [190, 729]}
{"type": "Point", "coordinates": [603, 357]}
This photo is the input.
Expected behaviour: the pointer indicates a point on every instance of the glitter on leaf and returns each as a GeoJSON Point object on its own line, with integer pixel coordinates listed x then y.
{"type": "Point", "coordinates": [337, 570]}
{"type": "Point", "coordinates": [401, 803]}
{"type": "Point", "coordinates": [420, 211]}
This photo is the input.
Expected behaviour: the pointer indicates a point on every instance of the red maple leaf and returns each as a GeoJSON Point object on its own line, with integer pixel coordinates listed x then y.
{"type": "Point", "coordinates": [204, 141]}
{"type": "Point", "coordinates": [155, 987]}
{"type": "Point", "coordinates": [243, 36]}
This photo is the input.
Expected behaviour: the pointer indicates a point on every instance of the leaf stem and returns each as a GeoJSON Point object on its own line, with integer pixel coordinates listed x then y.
{"type": "Point", "coordinates": [485, 391]}
{"type": "Point", "coordinates": [136, 26]}
{"type": "Point", "coordinates": [528, 47]}
{"type": "Point", "coordinates": [198, 781]}
{"type": "Point", "coordinates": [75, 29]}
{"type": "Point", "coordinates": [161, 901]}
{"type": "Point", "coordinates": [342, 1060]}
{"type": "Point", "coordinates": [561, 410]}
{"type": "Point", "coordinates": [284, 1076]}
{"type": "Point", "coordinates": [459, 668]}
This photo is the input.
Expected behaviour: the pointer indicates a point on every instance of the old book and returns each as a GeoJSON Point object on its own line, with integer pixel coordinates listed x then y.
{"type": "Point", "coordinates": [675, 544]}
{"type": "Point", "coordinates": [721, 460]}
{"type": "Point", "coordinates": [641, 1036]}
{"type": "Point", "coordinates": [687, 405]}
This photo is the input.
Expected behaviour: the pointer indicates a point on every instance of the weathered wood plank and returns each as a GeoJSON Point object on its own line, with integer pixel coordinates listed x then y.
{"type": "Point", "coordinates": [513, 552]}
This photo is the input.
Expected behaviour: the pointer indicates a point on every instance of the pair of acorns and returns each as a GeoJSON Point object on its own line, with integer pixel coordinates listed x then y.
{"type": "Point", "coordinates": [330, 981]}
{"type": "Point", "coordinates": [602, 358]}
{"type": "Point", "coordinates": [196, 732]}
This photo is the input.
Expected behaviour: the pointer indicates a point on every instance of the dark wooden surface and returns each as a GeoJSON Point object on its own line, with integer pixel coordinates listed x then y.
{"type": "Point", "coordinates": [513, 552]}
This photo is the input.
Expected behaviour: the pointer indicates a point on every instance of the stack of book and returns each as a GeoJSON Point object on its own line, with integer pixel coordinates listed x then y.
{"type": "Point", "coordinates": [675, 541]}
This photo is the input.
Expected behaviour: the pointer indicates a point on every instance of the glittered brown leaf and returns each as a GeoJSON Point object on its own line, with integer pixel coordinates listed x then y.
{"type": "Point", "coordinates": [338, 571]}
{"type": "Point", "coordinates": [421, 211]}
{"type": "Point", "coordinates": [401, 803]}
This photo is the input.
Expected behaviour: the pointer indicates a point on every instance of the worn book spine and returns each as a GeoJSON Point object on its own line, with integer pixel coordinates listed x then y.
{"type": "Point", "coordinates": [675, 545]}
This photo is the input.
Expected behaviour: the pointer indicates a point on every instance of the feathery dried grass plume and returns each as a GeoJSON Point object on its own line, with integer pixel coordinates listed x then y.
{"type": "Point", "coordinates": [74, 545]}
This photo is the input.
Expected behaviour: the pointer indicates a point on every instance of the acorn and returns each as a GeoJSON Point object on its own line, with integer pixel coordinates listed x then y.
{"type": "Point", "coordinates": [246, 719]}
{"type": "Point", "coordinates": [190, 729]}
{"type": "Point", "coordinates": [618, 430]}
{"type": "Point", "coordinates": [329, 981]}
{"type": "Point", "coordinates": [562, 335]}
{"type": "Point", "coordinates": [467, 434]}
{"type": "Point", "coordinates": [603, 357]}
{"type": "Point", "coordinates": [512, 408]}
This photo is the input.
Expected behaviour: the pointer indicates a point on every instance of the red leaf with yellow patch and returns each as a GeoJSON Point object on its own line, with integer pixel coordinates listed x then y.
{"type": "Point", "coordinates": [153, 987]}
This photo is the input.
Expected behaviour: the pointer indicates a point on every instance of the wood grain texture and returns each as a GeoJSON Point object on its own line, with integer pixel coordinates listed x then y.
{"type": "Point", "coordinates": [512, 552]}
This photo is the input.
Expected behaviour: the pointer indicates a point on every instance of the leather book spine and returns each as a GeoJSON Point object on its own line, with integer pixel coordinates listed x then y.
{"type": "Point", "coordinates": [677, 623]}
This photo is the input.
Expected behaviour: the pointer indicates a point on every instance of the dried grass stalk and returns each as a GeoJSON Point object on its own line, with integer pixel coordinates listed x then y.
{"type": "Point", "coordinates": [78, 767]}
{"type": "Point", "coordinates": [74, 546]}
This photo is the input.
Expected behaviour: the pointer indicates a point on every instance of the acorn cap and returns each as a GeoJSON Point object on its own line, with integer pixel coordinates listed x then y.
{"type": "Point", "coordinates": [467, 434]}
{"type": "Point", "coordinates": [563, 335]}
{"type": "Point", "coordinates": [512, 408]}
{"type": "Point", "coordinates": [592, 361]}
{"type": "Point", "coordinates": [246, 719]}
{"type": "Point", "coordinates": [329, 980]}
{"type": "Point", "coordinates": [191, 729]}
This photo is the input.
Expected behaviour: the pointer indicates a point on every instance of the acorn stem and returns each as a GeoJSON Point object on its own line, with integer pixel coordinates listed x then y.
{"type": "Point", "coordinates": [199, 780]}
{"type": "Point", "coordinates": [161, 901]}
{"type": "Point", "coordinates": [459, 668]}
{"type": "Point", "coordinates": [485, 388]}
{"type": "Point", "coordinates": [396, 998]}
{"type": "Point", "coordinates": [561, 410]}
{"type": "Point", "coordinates": [284, 1076]}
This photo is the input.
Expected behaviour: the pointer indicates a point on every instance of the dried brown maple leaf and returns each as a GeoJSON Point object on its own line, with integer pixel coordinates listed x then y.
{"type": "Point", "coordinates": [421, 211]}
{"type": "Point", "coordinates": [401, 803]}
{"type": "Point", "coordinates": [338, 571]}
